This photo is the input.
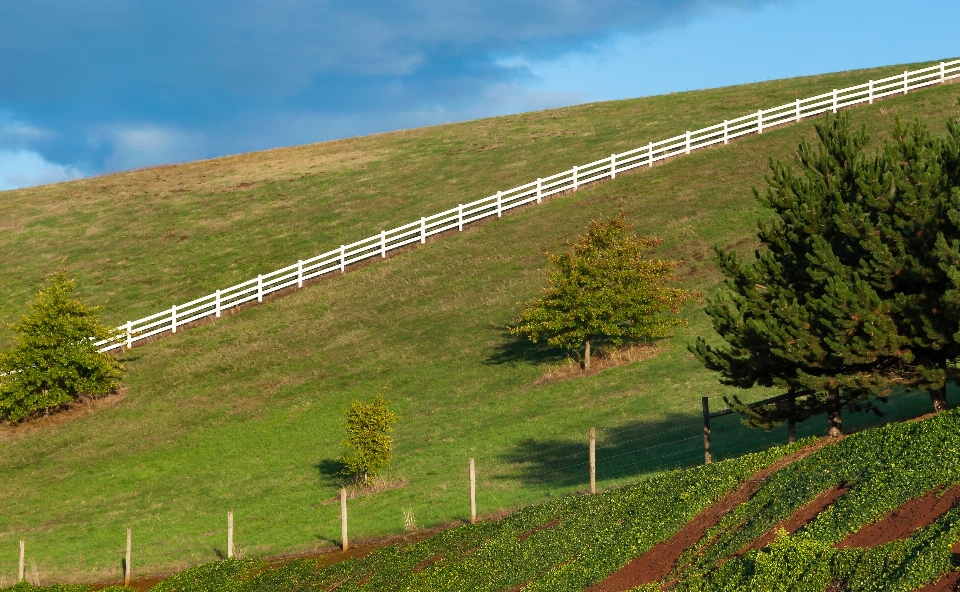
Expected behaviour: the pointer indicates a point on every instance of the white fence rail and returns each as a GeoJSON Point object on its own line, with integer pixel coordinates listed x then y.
{"type": "Point", "coordinates": [337, 260]}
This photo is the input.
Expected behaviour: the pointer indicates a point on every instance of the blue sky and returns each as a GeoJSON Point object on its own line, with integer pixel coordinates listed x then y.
{"type": "Point", "coordinates": [93, 86]}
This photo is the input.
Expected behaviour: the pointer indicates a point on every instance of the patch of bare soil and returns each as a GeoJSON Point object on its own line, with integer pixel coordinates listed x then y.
{"type": "Point", "coordinates": [904, 521]}
{"type": "Point", "coordinates": [800, 518]}
{"type": "Point", "coordinates": [525, 535]}
{"type": "Point", "coordinates": [603, 360]}
{"type": "Point", "coordinates": [658, 562]}
{"type": "Point", "coordinates": [65, 413]}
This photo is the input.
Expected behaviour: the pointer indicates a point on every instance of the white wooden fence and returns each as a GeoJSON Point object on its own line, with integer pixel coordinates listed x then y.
{"type": "Point", "coordinates": [337, 260]}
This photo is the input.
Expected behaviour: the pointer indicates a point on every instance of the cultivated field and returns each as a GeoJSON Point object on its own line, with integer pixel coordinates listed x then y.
{"type": "Point", "coordinates": [246, 413]}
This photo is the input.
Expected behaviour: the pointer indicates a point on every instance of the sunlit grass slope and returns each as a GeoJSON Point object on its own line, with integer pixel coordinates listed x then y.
{"type": "Point", "coordinates": [246, 413]}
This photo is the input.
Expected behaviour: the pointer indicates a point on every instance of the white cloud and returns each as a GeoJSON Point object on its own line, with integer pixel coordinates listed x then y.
{"type": "Point", "coordinates": [137, 146]}
{"type": "Point", "coordinates": [25, 168]}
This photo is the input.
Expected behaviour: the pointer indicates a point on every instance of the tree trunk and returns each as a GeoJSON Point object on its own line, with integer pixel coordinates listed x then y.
{"type": "Point", "coordinates": [586, 355]}
{"type": "Point", "coordinates": [939, 399]}
{"type": "Point", "coordinates": [792, 422]}
{"type": "Point", "coordinates": [834, 421]}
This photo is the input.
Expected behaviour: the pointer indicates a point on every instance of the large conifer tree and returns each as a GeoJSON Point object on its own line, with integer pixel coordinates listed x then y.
{"type": "Point", "coordinates": [801, 316]}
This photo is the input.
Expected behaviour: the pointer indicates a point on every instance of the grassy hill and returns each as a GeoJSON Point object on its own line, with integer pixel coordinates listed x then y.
{"type": "Point", "coordinates": [246, 413]}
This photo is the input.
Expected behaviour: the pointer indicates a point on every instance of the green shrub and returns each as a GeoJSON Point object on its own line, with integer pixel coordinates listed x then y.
{"type": "Point", "coordinates": [368, 435]}
{"type": "Point", "coordinates": [55, 360]}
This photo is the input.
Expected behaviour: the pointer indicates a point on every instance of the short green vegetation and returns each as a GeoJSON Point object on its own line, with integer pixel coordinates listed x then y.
{"type": "Point", "coordinates": [604, 289]}
{"type": "Point", "coordinates": [368, 438]}
{"type": "Point", "coordinates": [579, 540]}
{"type": "Point", "coordinates": [55, 361]}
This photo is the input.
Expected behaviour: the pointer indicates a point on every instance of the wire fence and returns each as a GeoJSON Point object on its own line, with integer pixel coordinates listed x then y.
{"type": "Point", "coordinates": [417, 232]}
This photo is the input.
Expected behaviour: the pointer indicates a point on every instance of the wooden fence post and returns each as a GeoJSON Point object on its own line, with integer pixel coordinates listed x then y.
{"type": "Point", "coordinates": [539, 190]}
{"type": "Point", "coordinates": [259, 287]}
{"type": "Point", "coordinates": [129, 334]}
{"type": "Point", "coordinates": [230, 534]}
{"type": "Point", "coordinates": [687, 145]}
{"type": "Point", "coordinates": [613, 166]}
{"type": "Point", "coordinates": [760, 121]}
{"type": "Point", "coordinates": [126, 564]}
{"type": "Point", "coordinates": [791, 431]}
{"type": "Point", "coordinates": [593, 460]}
{"type": "Point", "coordinates": [383, 244]}
{"type": "Point", "coordinates": [460, 217]}
{"type": "Point", "coordinates": [343, 258]}
{"type": "Point", "coordinates": [473, 493]}
{"type": "Point", "coordinates": [798, 111]}
{"type": "Point", "coordinates": [499, 204]}
{"type": "Point", "coordinates": [834, 100]}
{"type": "Point", "coordinates": [345, 545]}
{"type": "Point", "coordinates": [870, 93]}
{"type": "Point", "coordinates": [217, 305]}
{"type": "Point", "coordinates": [423, 230]}
{"type": "Point", "coordinates": [707, 457]}
{"type": "Point", "coordinates": [905, 84]}
{"type": "Point", "coordinates": [942, 73]}
{"type": "Point", "coordinates": [20, 572]}
{"type": "Point", "coordinates": [173, 318]}
{"type": "Point", "coordinates": [299, 273]}
{"type": "Point", "coordinates": [650, 155]}
{"type": "Point", "coordinates": [726, 132]}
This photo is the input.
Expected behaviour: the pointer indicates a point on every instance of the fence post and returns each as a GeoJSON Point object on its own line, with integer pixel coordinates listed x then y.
{"type": "Point", "coordinates": [539, 190]}
{"type": "Point", "coordinates": [259, 287]}
{"type": "Point", "coordinates": [687, 145]}
{"type": "Point", "coordinates": [173, 318]}
{"type": "Point", "coordinates": [760, 121]}
{"type": "Point", "coordinates": [870, 93]}
{"type": "Point", "coordinates": [613, 166]}
{"type": "Point", "coordinates": [726, 132]}
{"type": "Point", "coordinates": [798, 110]}
{"type": "Point", "coordinates": [593, 460]}
{"type": "Point", "coordinates": [230, 534]}
{"type": "Point", "coordinates": [460, 217]}
{"type": "Point", "coordinates": [905, 84]}
{"type": "Point", "coordinates": [217, 305]}
{"type": "Point", "coordinates": [499, 204]}
{"type": "Point", "coordinates": [473, 493]}
{"type": "Point", "coordinates": [707, 457]}
{"type": "Point", "coordinates": [834, 100]}
{"type": "Point", "coordinates": [20, 572]}
{"type": "Point", "coordinates": [299, 273]}
{"type": "Point", "coordinates": [791, 431]}
{"type": "Point", "coordinates": [423, 230]}
{"type": "Point", "coordinates": [343, 259]}
{"type": "Point", "coordinates": [383, 244]}
{"type": "Point", "coordinates": [575, 185]}
{"type": "Point", "coordinates": [129, 334]}
{"type": "Point", "coordinates": [343, 519]}
{"type": "Point", "coordinates": [126, 565]}
{"type": "Point", "coordinates": [650, 155]}
{"type": "Point", "coordinates": [942, 73]}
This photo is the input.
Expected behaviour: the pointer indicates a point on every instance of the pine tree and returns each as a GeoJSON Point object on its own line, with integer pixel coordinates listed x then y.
{"type": "Point", "coordinates": [604, 289]}
{"type": "Point", "coordinates": [55, 360]}
{"type": "Point", "coordinates": [803, 316]}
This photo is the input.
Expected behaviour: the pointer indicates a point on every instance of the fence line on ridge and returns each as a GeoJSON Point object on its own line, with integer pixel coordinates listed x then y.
{"type": "Point", "coordinates": [378, 245]}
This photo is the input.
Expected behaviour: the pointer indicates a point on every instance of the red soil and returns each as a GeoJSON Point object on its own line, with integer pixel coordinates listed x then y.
{"type": "Point", "coordinates": [800, 518]}
{"type": "Point", "coordinates": [904, 521]}
{"type": "Point", "coordinates": [658, 562]}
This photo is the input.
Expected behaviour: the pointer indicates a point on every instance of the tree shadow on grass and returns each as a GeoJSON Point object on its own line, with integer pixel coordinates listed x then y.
{"type": "Point", "coordinates": [331, 473]}
{"type": "Point", "coordinates": [625, 451]}
{"type": "Point", "coordinates": [514, 349]}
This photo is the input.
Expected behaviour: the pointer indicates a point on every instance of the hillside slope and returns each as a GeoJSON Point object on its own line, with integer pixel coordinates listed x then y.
{"type": "Point", "coordinates": [810, 517]}
{"type": "Point", "coordinates": [246, 413]}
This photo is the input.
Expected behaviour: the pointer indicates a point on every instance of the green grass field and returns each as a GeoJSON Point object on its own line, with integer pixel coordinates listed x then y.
{"type": "Point", "coordinates": [246, 413]}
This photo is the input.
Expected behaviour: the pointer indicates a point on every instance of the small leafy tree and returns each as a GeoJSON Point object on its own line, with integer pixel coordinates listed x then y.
{"type": "Point", "coordinates": [604, 288]}
{"type": "Point", "coordinates": [368, 435]}
{"type": "Point", "coordinates": [55, 360]}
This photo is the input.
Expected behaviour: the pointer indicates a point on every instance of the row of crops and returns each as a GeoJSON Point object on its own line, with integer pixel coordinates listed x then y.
{"type": "Point", "coordinates": [579, 540]}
